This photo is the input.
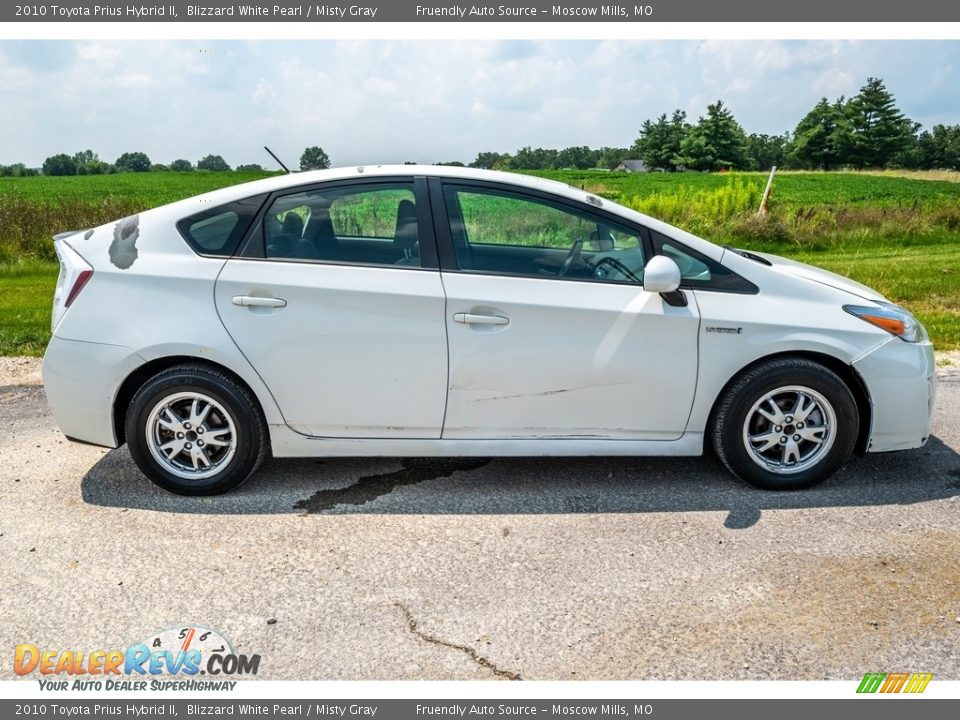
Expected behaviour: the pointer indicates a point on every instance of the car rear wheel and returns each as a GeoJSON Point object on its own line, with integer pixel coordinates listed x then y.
{"type": "Point", "coordinates": [786, 424]}
{"type": "Point", "coordinates": [195, 430]}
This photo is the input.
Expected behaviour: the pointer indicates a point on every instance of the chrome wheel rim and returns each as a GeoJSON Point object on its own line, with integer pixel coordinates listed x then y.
{"type": "Point", "coordinates": [789, 430]}
{"type": "Point", "coordinates": [191, 435]}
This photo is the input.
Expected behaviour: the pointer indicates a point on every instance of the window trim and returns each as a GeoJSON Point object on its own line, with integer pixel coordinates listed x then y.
{"type": "Point", "coordinates": [252, 247]}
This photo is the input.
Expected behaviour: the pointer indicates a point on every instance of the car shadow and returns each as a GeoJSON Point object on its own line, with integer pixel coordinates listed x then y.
{"type": "Point", "coordinates": [468, 486]}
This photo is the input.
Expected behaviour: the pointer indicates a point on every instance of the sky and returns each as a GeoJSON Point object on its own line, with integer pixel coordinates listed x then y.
{"type": "Point", "coordinates": [375, 101]}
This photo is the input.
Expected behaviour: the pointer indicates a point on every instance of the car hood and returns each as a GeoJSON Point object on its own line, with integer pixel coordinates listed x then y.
{"type": "Point", "coordinates": [825, 277]}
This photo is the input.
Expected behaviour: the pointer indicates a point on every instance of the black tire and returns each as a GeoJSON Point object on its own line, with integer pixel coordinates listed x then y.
{"type": "Point", "coordinates": [729, 425]}
{"type": "Point", "coordinates": [247, 435]}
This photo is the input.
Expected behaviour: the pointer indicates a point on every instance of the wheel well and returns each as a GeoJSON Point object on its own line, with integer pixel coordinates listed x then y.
{"type": "Point", "coordinates": [846, 373]}
{"type": "Point", "coordinates": [142, 374]}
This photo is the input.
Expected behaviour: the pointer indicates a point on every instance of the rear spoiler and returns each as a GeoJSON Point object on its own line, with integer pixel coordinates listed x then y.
{"type": "Point", "coordinates": [68, 233]}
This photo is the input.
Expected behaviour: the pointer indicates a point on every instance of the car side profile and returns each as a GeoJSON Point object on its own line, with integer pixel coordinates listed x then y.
{"type": "Point", "coordinates": [421, 311]}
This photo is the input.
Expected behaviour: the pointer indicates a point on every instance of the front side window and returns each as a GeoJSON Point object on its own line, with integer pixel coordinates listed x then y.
{"type": "Point", "coordinates": [698, 271]}
{"type": "Point", "coordinates": [502, 232]}
{"type": "Point", "coordinates": [357, 224]}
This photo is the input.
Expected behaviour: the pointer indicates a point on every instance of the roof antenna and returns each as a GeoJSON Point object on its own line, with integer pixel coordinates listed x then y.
{"type": "Point", "coordinates": [279, 162]}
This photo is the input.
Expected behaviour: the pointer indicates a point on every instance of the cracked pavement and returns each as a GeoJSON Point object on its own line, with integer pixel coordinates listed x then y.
{"type": "Point", "coordinates": [499, 569]}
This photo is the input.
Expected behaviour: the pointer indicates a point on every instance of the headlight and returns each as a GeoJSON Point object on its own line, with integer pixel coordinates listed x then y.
{"type": "Point", "coordinates": [892, 318]}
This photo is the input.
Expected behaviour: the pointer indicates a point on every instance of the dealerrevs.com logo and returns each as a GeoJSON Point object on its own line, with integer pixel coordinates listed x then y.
{"type": "Point", "coordinates": [185, 653]}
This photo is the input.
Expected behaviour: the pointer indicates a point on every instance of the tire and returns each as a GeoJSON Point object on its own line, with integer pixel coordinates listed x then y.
{"type": "Point", "coordinates": [803, 452]}
{"type": "Point", "coordinates": [194, 430]}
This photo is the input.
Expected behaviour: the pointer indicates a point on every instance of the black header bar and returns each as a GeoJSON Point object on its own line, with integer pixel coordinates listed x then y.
{"type": "Point", "coordinates": [534, 11]}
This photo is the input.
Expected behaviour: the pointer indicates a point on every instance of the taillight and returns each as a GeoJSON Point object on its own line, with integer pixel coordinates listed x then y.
{"type": "Point", "coordinates": [78, 286]}
{"type": "Point", "coordinates": [75, 273]}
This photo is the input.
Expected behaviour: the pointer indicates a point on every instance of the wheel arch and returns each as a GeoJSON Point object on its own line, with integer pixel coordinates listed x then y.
{"type": "Point", "coordinates": [136, 380]}
{"type": "Point", "coordinates": [845, 371]}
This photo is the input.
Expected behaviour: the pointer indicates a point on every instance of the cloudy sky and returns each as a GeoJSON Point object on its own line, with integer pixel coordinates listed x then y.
{"type": "Point", "coordinates": [370, 102]}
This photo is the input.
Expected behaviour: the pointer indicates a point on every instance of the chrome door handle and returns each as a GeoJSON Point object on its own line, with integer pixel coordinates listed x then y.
{"type": "Point", "coordinates": [252, 301]}
{"type": "Point", "coordinates": [472, 319]}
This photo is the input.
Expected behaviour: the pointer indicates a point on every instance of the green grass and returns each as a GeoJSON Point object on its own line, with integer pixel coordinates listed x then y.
{"type": "Point", "coordinates": [26, 297]}
{"type": "Point", "coordinates": [147, 189]}
{"type": "Point", "coordinates": [792, 189]}
{"type": "Point", "coordinates": [898, 234]}
{"type": "Point", "coordinates": [33, 209]}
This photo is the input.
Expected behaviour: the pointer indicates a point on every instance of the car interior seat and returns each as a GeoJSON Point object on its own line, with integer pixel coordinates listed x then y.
{"type": "Point", "coordinates": [406, 236]}
{"type": "Point", "coordinates": [318, 236]}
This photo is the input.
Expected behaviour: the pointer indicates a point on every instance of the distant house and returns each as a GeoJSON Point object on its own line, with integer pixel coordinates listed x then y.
{"type": "Point", "coordinates": [632, 166]}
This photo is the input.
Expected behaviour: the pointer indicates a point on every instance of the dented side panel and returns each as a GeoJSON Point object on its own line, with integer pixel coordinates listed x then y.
{"type": "Point", "coordinates": [151, 293]}
{"type": "Point", "coordinates": [573, 359]}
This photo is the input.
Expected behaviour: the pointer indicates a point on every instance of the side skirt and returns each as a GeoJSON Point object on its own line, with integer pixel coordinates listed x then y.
{"type": "Point", "coordinates": [287, 443]}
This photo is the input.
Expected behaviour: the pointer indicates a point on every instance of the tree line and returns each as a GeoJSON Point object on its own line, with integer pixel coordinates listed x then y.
{"type": "Point", "coordinates": [87, 162]}
{"type": "Point", "coordinates": [867, 130]}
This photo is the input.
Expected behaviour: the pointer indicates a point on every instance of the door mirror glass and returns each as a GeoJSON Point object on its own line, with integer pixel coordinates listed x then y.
{"type": "Point", "coordinates": [661, 275]}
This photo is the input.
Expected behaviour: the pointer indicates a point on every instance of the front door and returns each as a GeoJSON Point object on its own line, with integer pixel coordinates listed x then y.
{"type": "Point", "coordinates": [551, 334]}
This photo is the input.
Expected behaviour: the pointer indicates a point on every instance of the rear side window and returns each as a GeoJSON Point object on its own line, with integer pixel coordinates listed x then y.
{"type": "Point", "coordinates": [219, 230]}
{"type": "Point", "coordinates": [357, 224]}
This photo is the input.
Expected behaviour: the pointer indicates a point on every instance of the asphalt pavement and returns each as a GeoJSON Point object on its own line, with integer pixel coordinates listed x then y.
{"type": "Point", "coordinates": [501, 569]}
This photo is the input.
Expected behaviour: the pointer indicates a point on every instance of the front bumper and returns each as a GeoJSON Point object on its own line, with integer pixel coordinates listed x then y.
{"type": "Point", "coordinates": [81, 380]}
{"type": "Point", "coordinates": [901, 379]}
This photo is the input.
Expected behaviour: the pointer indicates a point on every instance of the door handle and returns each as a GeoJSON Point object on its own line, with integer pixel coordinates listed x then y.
{"type": "Point", "coordinates": [252, 301]}
{"type": "Point", "coordinates": [474, 319]}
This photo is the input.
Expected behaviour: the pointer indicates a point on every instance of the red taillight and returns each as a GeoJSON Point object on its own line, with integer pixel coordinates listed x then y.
{"type": "Point", "coordinates": [81, 280]}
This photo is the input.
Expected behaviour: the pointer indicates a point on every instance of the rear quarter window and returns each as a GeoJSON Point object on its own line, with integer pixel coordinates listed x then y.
{"type": "Point", "coordinates": [219, 230]}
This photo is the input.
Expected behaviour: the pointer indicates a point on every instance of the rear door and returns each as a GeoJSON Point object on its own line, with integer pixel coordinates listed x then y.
{"type": "Point", "coordinates": [551, 334]}
{"type": "Point", "coordinates": [337, 303]}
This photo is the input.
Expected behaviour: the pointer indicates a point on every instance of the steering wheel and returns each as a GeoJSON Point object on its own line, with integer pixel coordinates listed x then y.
{"type": "Point", "coordinates": [572, 257]}
{"type": "Point", "coordinates": [619, 266]}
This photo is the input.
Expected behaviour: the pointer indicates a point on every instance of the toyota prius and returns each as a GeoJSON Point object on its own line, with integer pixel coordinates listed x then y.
{"type": "Point", "coordinates": [442, 311]}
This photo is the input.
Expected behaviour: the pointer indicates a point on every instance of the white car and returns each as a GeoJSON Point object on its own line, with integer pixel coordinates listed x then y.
{"type": "Point", "coordinates": [417, 311]}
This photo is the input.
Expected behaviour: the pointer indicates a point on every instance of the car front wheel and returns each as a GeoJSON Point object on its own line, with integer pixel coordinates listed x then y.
{"type": "Point", "coordinates": [194, 430]}
{"type": "Point", "coordinates": [786, 424]}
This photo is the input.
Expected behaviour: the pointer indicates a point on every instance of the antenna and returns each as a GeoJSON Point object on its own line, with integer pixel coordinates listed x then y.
{"type": "Point", "coordinates": [279, 161]}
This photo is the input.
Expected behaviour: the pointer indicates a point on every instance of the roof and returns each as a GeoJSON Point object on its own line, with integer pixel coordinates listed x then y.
{"type": "Point", "coordinates": [281, 182]}
{"type": "Point", "coordinates": [637, 165]}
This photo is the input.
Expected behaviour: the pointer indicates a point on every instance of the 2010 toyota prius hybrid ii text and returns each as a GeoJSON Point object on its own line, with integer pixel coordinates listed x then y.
{"type": "Point", "coordinates": [444, 311]}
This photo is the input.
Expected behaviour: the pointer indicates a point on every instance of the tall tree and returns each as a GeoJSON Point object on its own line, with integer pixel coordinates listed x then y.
{"type": "Point", "coordinates": [133, 162]}
{"type": "Point", "coordinates": [181, 165]}
{"type": "Point", "coordinates": [314, 158]}
{"type": "Point", "coordinates": [819, 136]}
{"type": "Point", "coordinates": [213, 163]}
{"type": "Point", "coordinates": [528, 158]}
{"type": "Point", "coordinates": [716, 142]}
{"type": "Point", "coordinates": [487, 160]}
{"type": "Point", "coordinates": [765, 151]}
{"type": "Point", "coordinates": [580, 157]}
{"type": "Point", "coordinates": [60, 164]}
{"type": "Point", "coordinates": [88, 163]}
{"type": "Point", "coordinates": [878, 130]}
{"type": "Point", "coordinates": [659, 142]}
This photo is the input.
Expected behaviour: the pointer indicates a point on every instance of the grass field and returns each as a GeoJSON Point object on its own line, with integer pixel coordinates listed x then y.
{"type": "Point", "coordinates": [899, 233]}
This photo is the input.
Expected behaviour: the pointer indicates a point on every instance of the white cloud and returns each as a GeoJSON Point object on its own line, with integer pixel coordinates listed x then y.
{"type": "Point", "coordinates": [383, 101]}
{"type": "Point", "coordinates": [97, 52]}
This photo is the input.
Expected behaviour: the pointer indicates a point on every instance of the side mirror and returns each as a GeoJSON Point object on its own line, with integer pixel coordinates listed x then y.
{"type": "Point", "coordinates": [661, 275]}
